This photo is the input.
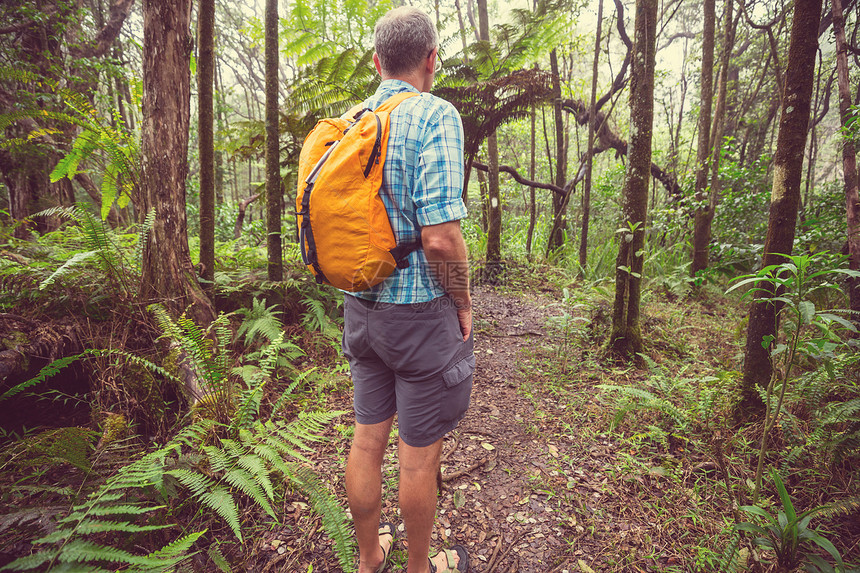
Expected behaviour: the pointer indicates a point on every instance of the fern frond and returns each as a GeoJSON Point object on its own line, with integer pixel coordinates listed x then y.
{"type": "Point", "coordinates": [729, 557]}
{"type": "Point", "coordinates": [244, 481]}
{"type": "Point", "coordinates": [86, 526]}
{"type": "Point", "coordinates": [260, 320]}
{"type": "Point", "coordinates": [98, 510]}
{"type": "Point", "coordinates": [249, 406]}
{"type": "Point", "coordinates": [333, 517]}
{"type": "Point", "coordinates": [219, 500]}
{"type": "Point", "coordinates": [67, 267]}
{"type": "Point", "coordinates": [29, 562]}
{"type": "Point", "coordinates": [170, 555]}
{"type": "Point", "coordinates": [46, 372]}
{"type": "Point", "coordinates": [254, 464]}
{"type": "Point", "coordinates": [80, 550]}
{"type": "Point", "coordinates": [841, 507]}
{"type": "Point", "coordinates": [197, 483]}
{"type": "Point", "coordinates": [142, 236]}
{"type": "Point", "coordinates": [219, 461]}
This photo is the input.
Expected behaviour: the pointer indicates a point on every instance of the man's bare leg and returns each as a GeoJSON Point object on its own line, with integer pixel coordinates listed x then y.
{"type": "Point", "coordinates": [418, 468]}
{"type": "Point", "coordinates": [364, 490]}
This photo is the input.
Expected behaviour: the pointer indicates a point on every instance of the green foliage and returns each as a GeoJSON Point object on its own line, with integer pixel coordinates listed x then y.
{"type": "Point", "coordinates": [823, 416]}
{"type": "Point", "coordinates": [740, 220]}
{"type": "Point", "coordinates": [566, 323]}
{"type": "Point", "coordinates": [809, 332]}
{"type": "Point", "coordinates": [210, 466]}
{"type": "Point", "coordinates": [49, 449]}
{"type": "Point", "coordinates": [260, 320]}
{"type": "Point", "coordinates": [686, 405]}
{"type": "Point", "coordinates": [85, 261]}
{"type": "Point", "coordinates": [106, 143]}
{"type": "Point", "coordinates": [788, 534]}
{"type": "Point", "coordinates": [110, 512]}
{"type": "Point", "coordinates": [851, 128]}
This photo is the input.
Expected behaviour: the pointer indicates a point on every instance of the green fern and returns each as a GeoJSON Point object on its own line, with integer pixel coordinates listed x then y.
{"type": "Point", "coordinates": [46, 372]}
{"type": "Point", "coordinates": [260, 320]}
{"type": "Point", "coordinates": [99, 243]}
{"type": "Point", "coordinates": [685, 403]}
{"type": "Point", "coordinates": [67, 547]}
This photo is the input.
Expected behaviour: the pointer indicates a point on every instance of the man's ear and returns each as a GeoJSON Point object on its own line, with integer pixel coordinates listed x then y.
{"type": "Point", "coordinates": [377, 63]}
{"type": "Point", "coordinates": [431, 61]}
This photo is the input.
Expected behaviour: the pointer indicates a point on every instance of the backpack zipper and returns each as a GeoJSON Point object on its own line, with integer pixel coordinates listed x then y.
{"type": "Point", "coordinates": [374, 155]}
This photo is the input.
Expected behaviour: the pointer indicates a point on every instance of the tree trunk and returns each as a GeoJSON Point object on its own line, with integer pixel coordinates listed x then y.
{"type": "Point", "coordinates": [718, 126]}
{"type": "Point", "coordinates": [785, 193]}
{"type": "Point", "coordinates": [556, 235]}
{"type": "Point", "coordinates": [274, 195]}
{"type": "Point", "coordinates": [532, 170]}
{"type": "Point", "coordinates": [703, 216]}
{"type": "Point", "coordinates": [589, 154]}
{"type": "Point", "coordinates": [626, 339]}
{"type": "Point", "coordinates": [168, 274]}
{"type": "Point", "coordinates": [849, 158]}
{"type": "Point", "coordinates": [206, 139]}
{"type": "Point", "coordinates": [494, 206]}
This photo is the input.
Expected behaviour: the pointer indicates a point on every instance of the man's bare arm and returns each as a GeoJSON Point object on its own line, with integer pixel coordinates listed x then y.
{"type": "Point", "coordinates": [445, 250]}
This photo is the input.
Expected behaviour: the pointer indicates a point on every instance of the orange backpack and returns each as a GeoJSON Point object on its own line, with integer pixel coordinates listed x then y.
{"type": "Point", "coordinates": [344, 232]}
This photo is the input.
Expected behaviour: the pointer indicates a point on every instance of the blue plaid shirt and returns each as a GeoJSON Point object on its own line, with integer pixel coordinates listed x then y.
{"type": "Point", "coordinates": [423, 170]}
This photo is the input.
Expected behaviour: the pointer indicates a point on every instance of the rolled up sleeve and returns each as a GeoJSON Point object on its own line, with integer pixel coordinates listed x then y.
{"type": "Point", "coordinates": [438, 191]}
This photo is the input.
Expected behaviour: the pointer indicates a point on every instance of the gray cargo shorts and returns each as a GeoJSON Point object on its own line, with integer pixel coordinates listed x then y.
{"type": "Point", "coordinates": [408, 359]}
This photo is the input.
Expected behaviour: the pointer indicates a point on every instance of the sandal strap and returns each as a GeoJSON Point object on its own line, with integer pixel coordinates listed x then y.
{"type": "Point", "coordinates": [451, 565]}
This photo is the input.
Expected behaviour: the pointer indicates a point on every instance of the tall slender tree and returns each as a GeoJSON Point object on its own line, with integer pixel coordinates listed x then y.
{"type": "Point", "coordinates": [274, 195]}
{"type": "Point", "coordinates": [701, 238]}
{"type": "Point", "coordinates": [494, 206]}
{"type": "Point", "coordinates": [626, 338]}
{"type": "Point", "coordinates": [589, 156]}
{"type": "Point", "coordinates": [168, 274]}
{"type": "Point", "coordinates": [206, 136]}
{"type": "Point", "coordinates": [559, 202]}
{"type": "Point", "coordinates": [849, 157]}
{"type": "Point", "coordinates": [785, 194]}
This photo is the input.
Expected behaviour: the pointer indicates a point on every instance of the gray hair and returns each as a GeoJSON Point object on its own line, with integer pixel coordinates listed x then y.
{"type": "Point", "coordinates": [403, 39]}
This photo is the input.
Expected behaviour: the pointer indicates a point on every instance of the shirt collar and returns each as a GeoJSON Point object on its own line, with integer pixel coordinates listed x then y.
{"type": "Point", "coordinates": [396, 86]}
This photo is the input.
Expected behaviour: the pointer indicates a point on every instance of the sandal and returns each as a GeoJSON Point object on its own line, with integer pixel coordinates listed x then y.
{"type": "Point", "coordinates": [386, 528]}
{"type": "Point", "coordinates": [460, 567]}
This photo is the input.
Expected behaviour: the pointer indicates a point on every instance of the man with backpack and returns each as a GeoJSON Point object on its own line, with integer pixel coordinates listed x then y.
{"type": "Point", "coordinates": [409, 338]}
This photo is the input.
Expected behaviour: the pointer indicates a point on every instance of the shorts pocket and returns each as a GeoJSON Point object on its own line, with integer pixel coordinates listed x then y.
{"type": "Point", "coordinates": [459, 371]}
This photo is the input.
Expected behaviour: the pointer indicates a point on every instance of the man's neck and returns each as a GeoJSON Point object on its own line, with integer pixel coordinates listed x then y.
{"type": "Point", "coordinates": [416, 79]}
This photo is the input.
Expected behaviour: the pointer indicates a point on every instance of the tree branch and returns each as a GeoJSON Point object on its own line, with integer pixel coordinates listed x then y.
{"type": "Point", "coordinates": [608, 139]}
{"type": "Point", "coordinates": [119, 11]}
{"type": "Point", "coordinates": [520, 179]}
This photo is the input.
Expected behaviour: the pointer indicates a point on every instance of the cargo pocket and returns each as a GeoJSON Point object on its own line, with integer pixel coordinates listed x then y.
{"type": "Point", "coordinates": [459, 371]}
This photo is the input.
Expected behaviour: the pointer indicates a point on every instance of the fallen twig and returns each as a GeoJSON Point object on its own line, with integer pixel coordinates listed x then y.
{"type": "Point", "coordinates": [505, 552]}
{"type": "Point", "coordinates": [511, 334]}
{"type": "Point", "coordinates": [457, 474]}
{"type": "Point", "coordinates": [491, 564]}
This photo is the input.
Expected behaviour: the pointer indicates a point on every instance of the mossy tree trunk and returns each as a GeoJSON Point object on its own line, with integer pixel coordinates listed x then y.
{"type": "Point", "coordinates": [168, 274]}
{"type": "Point", "coordinates": [559, 202]}
{"type": "Point", "coordinates": [274, 195]}
{"type": "Point", "coordinates": [205, 120]}
{"type": "Point", "coordinates": [494, 206]}
{"type": "Point", "coordinates": [785, 194]}
{"type": "Point", "coordinates": [626, 339]}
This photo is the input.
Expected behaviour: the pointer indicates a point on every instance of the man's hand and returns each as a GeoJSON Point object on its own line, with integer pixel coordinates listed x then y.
{"type": "Point", "coordinates": [464, 315]}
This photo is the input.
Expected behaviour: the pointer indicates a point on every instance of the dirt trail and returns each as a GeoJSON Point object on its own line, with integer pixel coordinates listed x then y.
{"type": "Point", "coordinates": [511, 488]}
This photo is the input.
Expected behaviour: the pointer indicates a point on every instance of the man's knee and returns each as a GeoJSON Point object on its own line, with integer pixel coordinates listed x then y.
{"type": "Point", "coordinates": [371, 440]}
{"type": "Point", "coordinates": [420, 460]}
